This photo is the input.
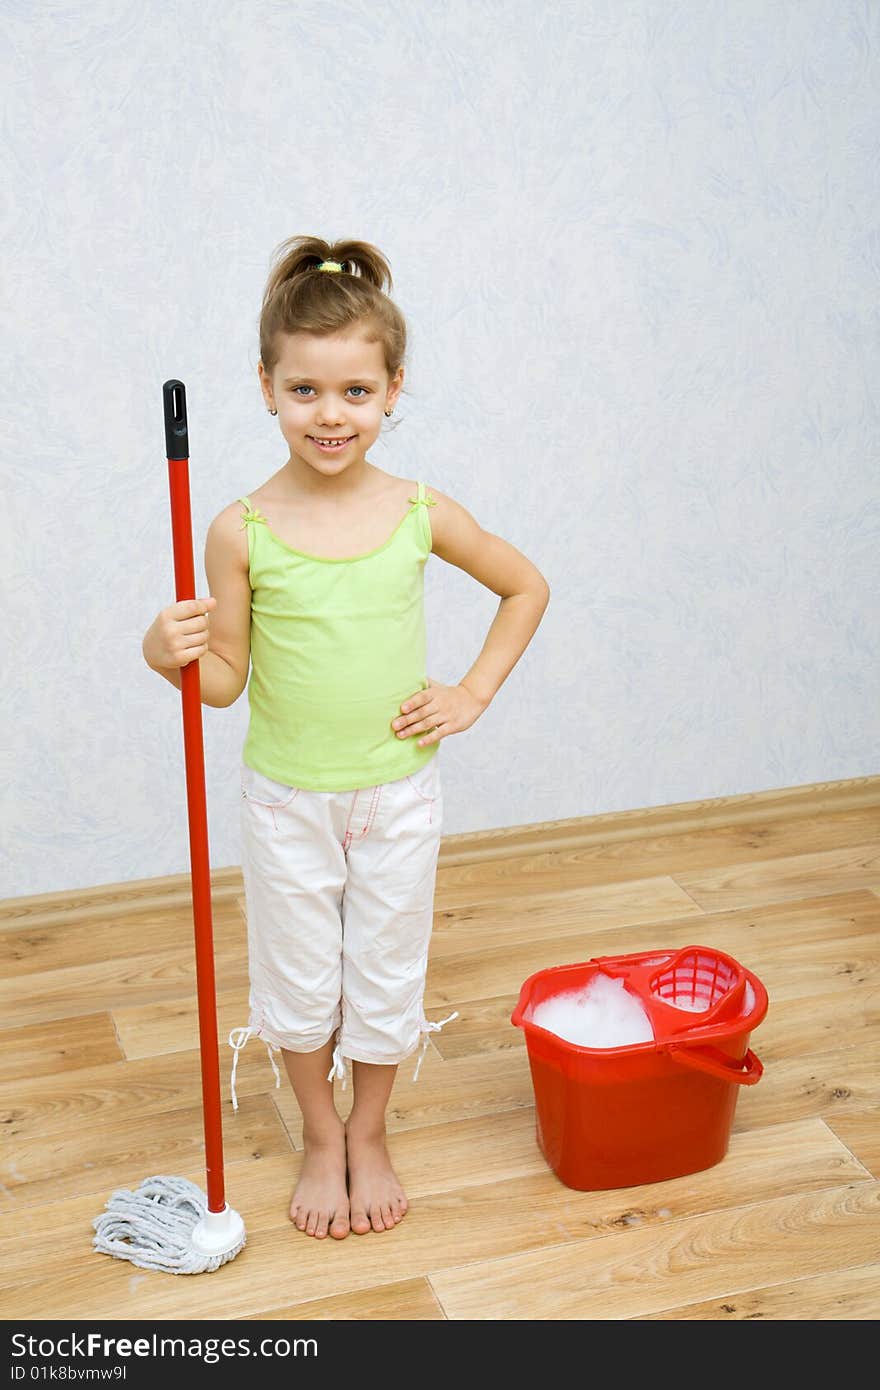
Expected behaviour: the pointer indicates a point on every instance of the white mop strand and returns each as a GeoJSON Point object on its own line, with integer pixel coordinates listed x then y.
{"type": "Point", "coordinates": [152, 1227]}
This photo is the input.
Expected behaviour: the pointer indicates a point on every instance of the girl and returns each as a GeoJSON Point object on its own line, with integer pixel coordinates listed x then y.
{"type": "Point", "coordinates": [316, 589]}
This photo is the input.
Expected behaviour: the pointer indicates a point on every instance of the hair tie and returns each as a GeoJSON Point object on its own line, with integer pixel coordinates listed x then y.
{"type": "Point", "coordinates": [330, 265]}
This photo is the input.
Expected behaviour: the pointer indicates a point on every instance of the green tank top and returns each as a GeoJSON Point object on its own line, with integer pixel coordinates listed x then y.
{"type": "Point", "coordinates": [336, 647]}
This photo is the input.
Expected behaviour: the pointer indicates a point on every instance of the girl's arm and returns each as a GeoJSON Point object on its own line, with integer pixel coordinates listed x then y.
{"type": "Point", "coordinates": [222, 646]}
{"type": "Point", "coordinates": [461, 541]}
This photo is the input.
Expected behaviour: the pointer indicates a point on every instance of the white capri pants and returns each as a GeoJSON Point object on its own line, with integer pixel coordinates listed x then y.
{"type": "Point", "coordinates": [339, 889]}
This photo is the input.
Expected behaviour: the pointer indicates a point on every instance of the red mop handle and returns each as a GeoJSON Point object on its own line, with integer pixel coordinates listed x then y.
{"type": "Point", "coordinates": [177, 449]}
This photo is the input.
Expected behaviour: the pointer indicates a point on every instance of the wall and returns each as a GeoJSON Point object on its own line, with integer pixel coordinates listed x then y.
{"type": "Point", "coordinates": [637, 247]}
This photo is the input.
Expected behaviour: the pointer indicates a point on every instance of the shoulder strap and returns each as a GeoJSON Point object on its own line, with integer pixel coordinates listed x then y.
{"type": "Point", "coordinates": [251, 514]}
{"type": "Point", "coordinates": [423, 497]}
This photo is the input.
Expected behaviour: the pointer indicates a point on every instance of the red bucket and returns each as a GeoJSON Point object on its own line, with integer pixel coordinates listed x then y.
{"type": "Point", "coordinates": [620, 1116]}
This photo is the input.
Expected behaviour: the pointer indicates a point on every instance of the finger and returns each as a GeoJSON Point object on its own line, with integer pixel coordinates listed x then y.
{"type": "Point", "coordinates": [423, 726]}
{"type": "Point", "coordinates": [414, 703]}
{"type": "Point", "coordinates": [408, 714]}
{"type": "Point", "coordinates": [195, 607]}
{"type": "Point", "coordinates": [413, 723]}
{"type": "Point", "coordinates": [189, 625]}
{"type": "Point", "coordinates": [191, 656]}
{"type": "Point", "coordinates": [433, 737]}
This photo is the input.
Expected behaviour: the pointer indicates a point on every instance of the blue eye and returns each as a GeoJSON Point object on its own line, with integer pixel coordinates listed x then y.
{"type": "Point", "coordinates": [351, 388]}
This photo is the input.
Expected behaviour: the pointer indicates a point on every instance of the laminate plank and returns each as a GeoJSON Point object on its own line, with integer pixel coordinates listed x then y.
{"type": "Point", "coordinates": [572, 917]}
{"type": "Point", "coordinates": [114, 900]}
{"type": "Point", "coordinates": [148, 1030]}
{"type": "Point", "coordinates": [827, 1084]}
{"type": "Point", "coordinates": [821, 1022]}
{"type": "Point", "coordinates": [849, 1295]}
{"type": "Point", "coordinates": [33, 950]}
{"type": "Point", "coordinates": [859, 1130]}
{"type": "Point", "coordinates": [42, 1167]}
{"type": "Point", "coordinates": [483, 1026]}
{"type": "Point", "coordinates": [575, 912]}
{"type": "Point", "coordinates": [816, 873]}
{"type": "Point", "coordinates": [107, 1094]}
{"type": "Point", "coordinates": [410, 1300]}
{"type": "Point", "coordinates": [719, 1255]}
{"type": "Point", "coordinates": [445, 1231]}
{"type": "Point", "coordinates": [42, 1049]}
{"type": "Point", "coordinates": [98, 986]}
{"type": "Point", "coordinates": [812, 806]}
{"type": "Point", "coordinates": [771, 853]}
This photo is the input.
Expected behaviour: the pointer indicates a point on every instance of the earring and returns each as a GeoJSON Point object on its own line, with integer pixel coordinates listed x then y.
{"type": "Point", "coordinates": [273, 412]}
{"type": "Point", "coordinates": [389, 412]}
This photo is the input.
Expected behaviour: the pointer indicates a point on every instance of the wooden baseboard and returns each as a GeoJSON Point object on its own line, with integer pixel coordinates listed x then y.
{"type": "Point", "coordinates": [816, 798]}
{"type": "Point", "coordinates": [819, 798]}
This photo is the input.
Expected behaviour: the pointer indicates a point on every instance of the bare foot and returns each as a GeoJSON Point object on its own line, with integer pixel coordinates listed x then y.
{"type": "Point", "coordinates": [320, 1199]}
{"type": "Point", "coordinates": [376, 1199]}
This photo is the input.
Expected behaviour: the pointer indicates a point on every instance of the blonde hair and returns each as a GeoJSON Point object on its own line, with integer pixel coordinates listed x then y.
{"type": "Point", "coordinates": [299, 300]}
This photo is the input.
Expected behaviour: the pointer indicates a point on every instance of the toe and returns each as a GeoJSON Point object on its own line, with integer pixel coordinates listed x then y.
{"type": "Point", "coordinates": [360, 1222]}
{"type": "Point", "coordinates": [339, 1226]}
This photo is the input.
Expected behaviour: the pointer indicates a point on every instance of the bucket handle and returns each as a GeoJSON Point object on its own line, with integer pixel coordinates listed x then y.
{"type": "Point", "coordinates": [745, 1071]}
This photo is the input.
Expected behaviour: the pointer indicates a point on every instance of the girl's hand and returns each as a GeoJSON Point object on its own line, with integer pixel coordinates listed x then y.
{"type": "Point", "coordinates": [436, 712]}
{"type": "Point", "coordinates": [179, 634]}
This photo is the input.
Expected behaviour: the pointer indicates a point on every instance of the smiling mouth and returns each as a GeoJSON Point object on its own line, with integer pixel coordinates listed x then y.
{"type": "Point", "coordinates": [331, 443]}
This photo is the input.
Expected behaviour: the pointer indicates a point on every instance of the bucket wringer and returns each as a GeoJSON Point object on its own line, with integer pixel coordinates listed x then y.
{"type": "Point", "coordinates": [621, 1116]}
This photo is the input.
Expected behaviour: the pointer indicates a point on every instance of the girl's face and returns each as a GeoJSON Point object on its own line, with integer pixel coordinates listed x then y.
{"type": "Point", "coordinates": [332, 388]}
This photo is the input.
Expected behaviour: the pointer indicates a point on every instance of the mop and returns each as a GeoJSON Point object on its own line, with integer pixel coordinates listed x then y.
{"type": "Point", "coordinates": [166, 1223]}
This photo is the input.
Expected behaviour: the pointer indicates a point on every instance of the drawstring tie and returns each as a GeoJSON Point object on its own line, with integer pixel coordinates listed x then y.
{"type": "Point", "coordinates": [426, 1030]}
{"type": "Point", "coordinates": [238, 1039]}
{"type": "Point", "coordinates": [338, 1068]}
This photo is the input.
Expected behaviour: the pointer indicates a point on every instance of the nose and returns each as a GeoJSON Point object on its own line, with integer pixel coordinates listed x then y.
{"type": "Point", "coordinates": [331, 412]}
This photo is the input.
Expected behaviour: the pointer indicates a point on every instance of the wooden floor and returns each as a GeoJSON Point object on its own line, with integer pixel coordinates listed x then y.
{"type": "Point", "coordinates": [100, 1087]}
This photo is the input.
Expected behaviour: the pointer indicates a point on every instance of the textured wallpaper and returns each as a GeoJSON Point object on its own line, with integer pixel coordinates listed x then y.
{"type": "Point", "coordinates": [637, 244]}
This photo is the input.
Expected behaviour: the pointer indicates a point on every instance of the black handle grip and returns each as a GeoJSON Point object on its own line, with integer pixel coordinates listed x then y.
{"type": "Point", "coordinates": [176, 432]}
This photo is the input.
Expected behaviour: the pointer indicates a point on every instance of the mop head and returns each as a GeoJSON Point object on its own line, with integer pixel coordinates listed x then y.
{"type": "Point", "coordinates": [153, 1227]}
